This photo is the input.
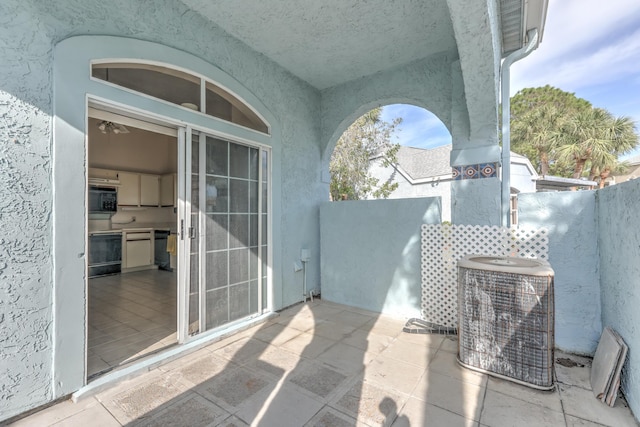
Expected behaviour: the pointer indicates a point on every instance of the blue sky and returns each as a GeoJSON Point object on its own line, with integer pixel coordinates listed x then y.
{"type": "Point", "coordinates": [589, 47]}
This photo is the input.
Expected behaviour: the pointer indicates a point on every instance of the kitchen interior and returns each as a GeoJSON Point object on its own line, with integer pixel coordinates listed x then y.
{"type": "Point", "coordinates": [132, 263]}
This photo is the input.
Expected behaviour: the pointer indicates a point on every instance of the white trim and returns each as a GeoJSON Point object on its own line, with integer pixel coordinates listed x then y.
{"type": "Point", "coordinates": [129, 121]}
{"type": "Point", "coordinates": [197, 75]}
{"type": "Point", "coordinates": [108, 105]}
{"type": "Point", "coordinates": [201, 218]}
{"type": "Point", "coordinates": [185, 239]}
{"type": "Point", "coordinates": [201, 231]}
{"type": "Point", "coordinates": [182, 288]}
{"type": "Point", "coordinates": [270, 246]}
{"type": "Point", "coordinates": [259, 242]}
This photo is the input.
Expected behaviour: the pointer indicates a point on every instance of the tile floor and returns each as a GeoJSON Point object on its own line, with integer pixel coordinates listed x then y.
{"type": "Point", "coordinates": [322, 364]}
{"type": "Point", "coordinates": [130, 315]}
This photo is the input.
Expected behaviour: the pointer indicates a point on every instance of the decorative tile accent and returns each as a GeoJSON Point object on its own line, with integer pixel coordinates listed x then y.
{"type": "Point", "coordinates": [457, 173]}
{"type": "Point", "coordinates": [489, 170]}
{"type": "Point", "coordinates": [481, 170]}
{"type": "Point", "coordinates": [471, 172]}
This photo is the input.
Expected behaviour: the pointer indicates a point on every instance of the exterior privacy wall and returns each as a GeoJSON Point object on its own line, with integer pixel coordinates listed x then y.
{"type": "Point", "coordinates": [571, 220]}
{"type": "Point", "coordinates": [371, 253]}
{"type": "Point", "coordinates": [436, 188]}
{"type": "Point", "coordinates": [27, 370]}
{"type": "Point", "coordinates": [618, 242]}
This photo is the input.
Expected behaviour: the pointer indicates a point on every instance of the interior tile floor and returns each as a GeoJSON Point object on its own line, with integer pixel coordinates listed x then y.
{"type": "Point", "coordinates": [130, 316]}
{"type": "Point", "coordinates": [322, 364]}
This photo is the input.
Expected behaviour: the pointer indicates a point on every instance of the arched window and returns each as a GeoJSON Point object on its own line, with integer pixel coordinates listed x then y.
{"type": "Point", "coordinates": [181, 88]}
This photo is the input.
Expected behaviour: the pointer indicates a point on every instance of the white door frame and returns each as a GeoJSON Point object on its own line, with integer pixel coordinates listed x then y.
{"type": "Point", "coordinates": [186, 228]}
{"type": "Point", "coordinates": [134, 117]}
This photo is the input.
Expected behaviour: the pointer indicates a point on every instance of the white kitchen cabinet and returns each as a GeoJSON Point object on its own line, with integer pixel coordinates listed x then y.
{"type": "Point", "coordinates": [149, 190]}
{"type": "Point", "coordinates": [168, 190]}
{"type": "Point", "coordinates": [129, 191]}
{"type": "Point", "coordinates": [138, 251]}
{"type": "Point", "coordinates": [138, 189]}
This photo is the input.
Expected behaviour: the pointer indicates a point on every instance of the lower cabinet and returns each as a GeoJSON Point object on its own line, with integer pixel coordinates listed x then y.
{"type": "Point", "coordinates": [139, 252]}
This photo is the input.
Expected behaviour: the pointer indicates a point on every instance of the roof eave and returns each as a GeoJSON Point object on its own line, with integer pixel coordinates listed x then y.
{"type": "Point", "coordinates": [517, 18]}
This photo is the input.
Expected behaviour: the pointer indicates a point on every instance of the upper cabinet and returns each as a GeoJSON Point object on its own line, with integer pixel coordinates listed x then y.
{"type": "Point", "coordinates": [149, 190]}
{"type": "Point", "coordinates": [168, 190]}
{"type": "Point", "coordinates": [141, 189]}
{"type": "Point", "coordinates": [129, 191]}
{"type": "Point", "coordinates": [138, 189]}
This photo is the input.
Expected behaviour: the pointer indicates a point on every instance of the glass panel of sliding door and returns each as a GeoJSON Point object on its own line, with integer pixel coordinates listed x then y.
{"type": "Point", "coordinates": [231, 250]}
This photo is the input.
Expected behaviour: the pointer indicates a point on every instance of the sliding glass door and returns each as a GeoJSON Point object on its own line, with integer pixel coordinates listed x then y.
{"type": "Point", "coordinates": [225, 231]}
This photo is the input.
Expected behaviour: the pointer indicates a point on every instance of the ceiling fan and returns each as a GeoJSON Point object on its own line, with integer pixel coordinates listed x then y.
{"type": "Point", "coordinates": [111, 127]}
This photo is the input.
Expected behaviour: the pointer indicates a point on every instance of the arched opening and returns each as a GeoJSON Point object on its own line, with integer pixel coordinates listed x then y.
{"type": "Point", "coordinates": [395, 151]}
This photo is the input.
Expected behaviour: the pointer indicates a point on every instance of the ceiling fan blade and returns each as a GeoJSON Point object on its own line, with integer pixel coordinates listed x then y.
{"type": "Point", "coordinates": [118, 128]}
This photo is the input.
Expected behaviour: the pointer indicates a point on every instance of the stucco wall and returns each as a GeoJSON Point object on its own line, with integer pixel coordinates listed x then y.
{"type": "Point", "coordinates": [371, 253]}
{"type": "Point", "coordinates": [25, 244]}
{"type": "Point", "coordinates": [25, 212]}
{"type": "Point", "coordinates": [425, 83]}
{"type": "Point", "coordinates": [618, 241]}
{"type": "Point", "coordinates": [475, 201]}
{"type": "Point", "coordinates": [571, 220]}
{"type": "Point", "coordinates": [31, 30]}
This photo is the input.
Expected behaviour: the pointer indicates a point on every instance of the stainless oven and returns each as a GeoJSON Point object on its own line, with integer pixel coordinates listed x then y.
{"type": "Point", "coordinates": [105, 253]}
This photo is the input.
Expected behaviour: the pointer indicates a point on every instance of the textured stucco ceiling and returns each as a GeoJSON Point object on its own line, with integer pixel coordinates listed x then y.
{"type": "Point", "coordinates": [329, 42]}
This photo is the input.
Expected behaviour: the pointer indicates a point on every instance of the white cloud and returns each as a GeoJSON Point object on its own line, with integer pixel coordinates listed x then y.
{"type": "Point", "coordinates": [583, 45]}
{"type": "Point", "coordinates": [420, 127]}
{"type": "Point", "coordinates": [573, 25]}
{"type": "Point", "coordinates": [608, 64]}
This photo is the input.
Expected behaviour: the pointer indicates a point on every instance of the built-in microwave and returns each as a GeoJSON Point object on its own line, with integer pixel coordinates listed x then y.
{"type": "Point", "coordinates": [103, 199]}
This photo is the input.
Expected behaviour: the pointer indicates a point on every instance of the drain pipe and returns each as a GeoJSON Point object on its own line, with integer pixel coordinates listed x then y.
{"type": "Point", "coordinates": [505, 81]}
{"type": "Point", "coordinates": [305, 257]}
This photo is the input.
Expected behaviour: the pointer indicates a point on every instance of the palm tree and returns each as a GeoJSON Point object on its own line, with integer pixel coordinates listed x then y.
{"type": "Point", "coordinates": [536, 131]}
{"type": "Point", "coordinates": [595, 136]}
{"type": "Point", "coordinates": [601, 173]}
{"type": "Point", "coordinates": [538, 116]}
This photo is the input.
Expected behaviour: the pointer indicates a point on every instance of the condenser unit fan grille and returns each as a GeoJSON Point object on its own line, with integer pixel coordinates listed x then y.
{"type": "Point", "coordinates": [506, 318]}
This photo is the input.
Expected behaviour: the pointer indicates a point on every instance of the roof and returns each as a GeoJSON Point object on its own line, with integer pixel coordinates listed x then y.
{"type": "Point", "coordinates": [635, 160]}
{"type": "Point", "coordinates": [517, 18]}
{"type": "Point", "coordinates": [558, 183]}
{"type": "Point", "coordinates": [420, 163]}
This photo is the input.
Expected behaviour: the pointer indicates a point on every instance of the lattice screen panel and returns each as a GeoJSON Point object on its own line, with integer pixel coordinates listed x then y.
{"type": "Point", "coordinates": [442, 247]}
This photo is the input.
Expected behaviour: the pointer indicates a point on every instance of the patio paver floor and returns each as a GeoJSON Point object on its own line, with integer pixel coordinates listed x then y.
{"type": "Point", "coordinates": [324, 364]}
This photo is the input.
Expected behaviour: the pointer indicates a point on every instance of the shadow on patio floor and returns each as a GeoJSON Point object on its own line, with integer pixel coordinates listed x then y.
{"type": "Point", "coordinates": [323, 364]}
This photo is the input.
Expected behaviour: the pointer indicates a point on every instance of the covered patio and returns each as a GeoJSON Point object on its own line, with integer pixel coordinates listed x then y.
{"type": "Point", "coordinates": [325, 364]}
{"type": "Point", "coordinates": [306, 70]}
